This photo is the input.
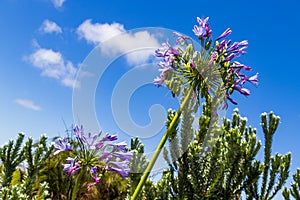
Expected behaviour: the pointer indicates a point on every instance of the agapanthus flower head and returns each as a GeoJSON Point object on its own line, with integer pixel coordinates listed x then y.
{"type": "Point", "coordinates": [193, 67]}
{"type": "Point", "coordinates": [95, 154]}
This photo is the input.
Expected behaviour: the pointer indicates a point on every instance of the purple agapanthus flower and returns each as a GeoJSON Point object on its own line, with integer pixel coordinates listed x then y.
{"type": "Point", "coordinates": [91, 155]}
{"type": "Point", "coordinates": [169, 54]}
{"type": "Point", "coordinates": [62, 145]}
{"type": "Point", "coordinates": [96, 180]}
{"type": "Point", "coordinates": [224, 34]}
{"type": "Point", "coordinates": [239, 65]}
{"type": "Point", "coordinates": [122, 155]}
{"type": "Point", "coordinates": [121, 168]}
{"type": "Point", "coordinates": [72, 166]}
{"type": "Point", "coordinates": [109, 137]}
{"type": "Point", "coordinates": [180, 38]}
{"type": "Point", "coordinates": [202, 30]}
{"type": "Point", "coordinates": [221, 54]}
{"type": "Point", "coordinates": [91, 140]}
{"type": "Point", "coordinates": [119, 146]}
{"type": "Point", "coordinates": [229, 58]}
{"type": "Point", "coordinates": [78, 131]}
{"type": "Point", "coordinates": [93, 170]}
{"type": "Point", "coordinates": [253, 79]}
{"type": "Point", "coordinates": [242, 90]}
{"type": "Point", "coordinates": [238, 47]}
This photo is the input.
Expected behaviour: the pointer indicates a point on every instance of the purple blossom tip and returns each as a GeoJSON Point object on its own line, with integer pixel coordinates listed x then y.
{"type": "Point", "coordinates": [254, 79]}
{"type": "Point", "coordinates": [229, 58]}
{"type": "Point", "coordinates": [225, 34]}
{"type": "Point", "coordinates": [242, 90]}
{"type": "Point", "coordinates": [119, 146]}
{"type": "Point", "coordinates": [180, 37]}
{"type": "Point", "coordinates": [202, 30]}
{"type": "Point", "coordinates": [110, 137]}
{"type": "Point", "coordinates": [78, 132]}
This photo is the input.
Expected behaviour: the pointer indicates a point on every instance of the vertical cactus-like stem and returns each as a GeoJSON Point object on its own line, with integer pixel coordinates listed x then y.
{"type": "Point", "coordinates": [269, 130]}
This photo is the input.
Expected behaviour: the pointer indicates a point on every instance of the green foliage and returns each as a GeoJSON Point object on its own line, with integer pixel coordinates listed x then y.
{"type": "Point", "coordinates": [17, 177]}
{"type": "Point", "coordinates": [275, 168]}
{"type": "Point", "coordinates": [18, 191]}
{"type": "Point", "coordinates": [294, 190]}
{"type": "Point", "coordinates": [36, 155]}
{"type": "Point", "coordinates": [19, 184]}
{"type": "Point", "coordinates": [223, 165]}
{"type": "Point", "coordinates": [60, 184]}
{"type": "Point", "coordinates": [11, 155]}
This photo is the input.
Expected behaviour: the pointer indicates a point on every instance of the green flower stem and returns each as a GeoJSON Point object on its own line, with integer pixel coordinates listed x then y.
{"type": "Point", "coordinates": [77, 185]}
{"type": "Point", "coordinates": [160, 146]}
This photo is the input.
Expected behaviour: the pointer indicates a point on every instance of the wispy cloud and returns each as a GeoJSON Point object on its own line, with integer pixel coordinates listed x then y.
{"type": "Point", "coordinates": [58, 3]}
{"type": "Point", "coordinates": [53, 65]}
{"type": "Point", "coordinates": [28, 104]}
{"type": "Point", "coordinates": [102, 33]}
{"type": "Point", "coordinates": [50, 27]}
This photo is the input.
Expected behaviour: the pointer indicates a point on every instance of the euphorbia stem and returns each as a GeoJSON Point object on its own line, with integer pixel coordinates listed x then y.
{"type": "Point", "coordinates": [160, 146]}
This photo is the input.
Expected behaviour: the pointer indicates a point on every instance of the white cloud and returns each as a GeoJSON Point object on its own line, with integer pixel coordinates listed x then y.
{"type": "Point", "coordinates": [54, 66]}
{"type": "Point", "coordinates": [137, 46]}
{"type": "Point", "coordinates": [97, 33]}
{"type": "Point", "coordinates": [50, 27]}
{"type": "Point", "coordinates": [58, 3]}
{"type": "Point", "coordinates": [28, 104]}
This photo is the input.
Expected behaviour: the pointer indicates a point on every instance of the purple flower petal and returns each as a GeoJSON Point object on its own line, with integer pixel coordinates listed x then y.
{"type": "Point", "coordinates": [110, 137]}
{"type": "Point", "coordinates": [229, 58]}
{"type": "Point", "coordinates": [121, 168]}
{"type": "Point", "coordinates": [78, 132]}
{"type": "Point", "coordinates": [242, 90]}
{"type": "Point", "coordinates": [254, 79]}
{"type": "Point", "coordinates": [119, 146]}
{"type": "Point", "coordinates": [224, 34]}
{"type": "Point", "coordinates": [123, 156]}
{"type": "Point", "coordinates": [93, 170]}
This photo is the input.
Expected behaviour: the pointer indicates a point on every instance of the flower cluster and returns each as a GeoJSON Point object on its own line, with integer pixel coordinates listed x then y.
{"type": "Point", "coordinates": [218, 56]}
{"type": "Point", "coordinates": [94, 154]}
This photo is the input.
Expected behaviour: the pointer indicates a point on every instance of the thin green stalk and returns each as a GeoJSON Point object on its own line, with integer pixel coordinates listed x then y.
{"type": "Point", "coordinates": [160, 146]}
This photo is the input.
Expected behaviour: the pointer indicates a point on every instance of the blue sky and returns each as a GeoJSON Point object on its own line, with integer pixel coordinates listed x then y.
{"type": "Point", "coordinates": [44, 43]}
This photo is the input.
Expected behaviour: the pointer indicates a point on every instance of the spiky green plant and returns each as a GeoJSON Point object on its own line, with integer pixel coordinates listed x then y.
{"type": "Point", "coordinates": [11, 155]}
{"type": "Point", "coordinates": [36, 155]}
{"type": "Point", "coordinates": [230, 167]}
{"type": "Point", "coordinates": [294, 190]}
